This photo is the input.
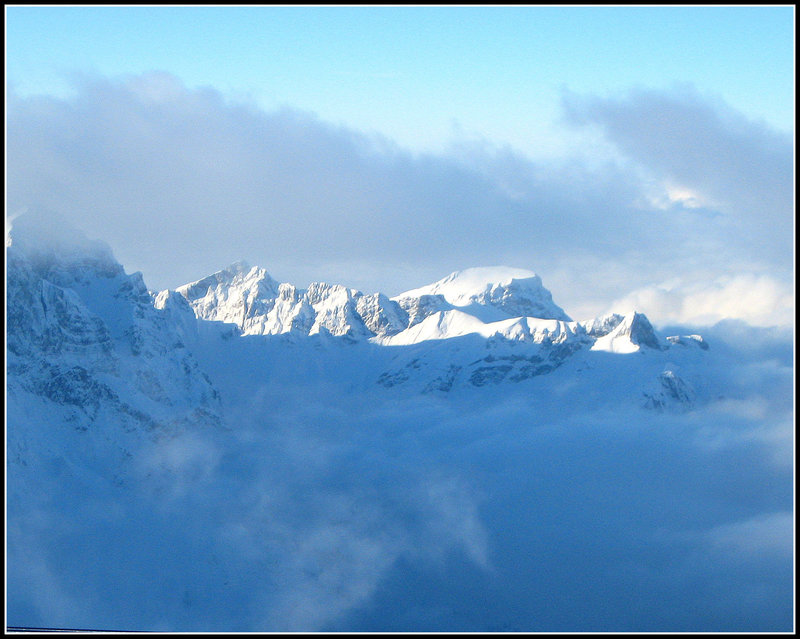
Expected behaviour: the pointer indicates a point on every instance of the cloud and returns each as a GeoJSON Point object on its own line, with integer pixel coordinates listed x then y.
{"type": "Point", "coordinates": [699, 147]}
{"type": "Point", "coordinates": [41, 591]}
{"type": "Point", "coordinates": [182, 182]}
{"type": "Point", "coordinates": [323, 510]}
{"type": "Point", "coordinates": [374, 512]}
{"type": "Point", "coordinates": [173, 177]}
{"type": "Point", "coordinates": [759, 300]}
{"type": "Point", "coordinates": [179, 466]}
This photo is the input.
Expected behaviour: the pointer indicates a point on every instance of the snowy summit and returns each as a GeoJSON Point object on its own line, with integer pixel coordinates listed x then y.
{"type": "Point", "coordinates": [515, 292]}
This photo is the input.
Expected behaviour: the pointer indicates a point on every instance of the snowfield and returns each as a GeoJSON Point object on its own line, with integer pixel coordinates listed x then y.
{"type": "Point", "coordinates": [243, 455]}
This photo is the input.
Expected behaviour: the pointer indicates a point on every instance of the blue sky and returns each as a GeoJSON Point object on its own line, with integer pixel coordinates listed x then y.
{"type": "Point", "coordinates": [415, 73]}
{"type": "Point", "coordinates": [630, 156]}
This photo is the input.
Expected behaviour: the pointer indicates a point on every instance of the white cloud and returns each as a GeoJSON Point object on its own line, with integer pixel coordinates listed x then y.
{"type": "Point", "coordinates": [759, 300]}
{"type": "Point", "coordinates": [378, 511]}
{"type": "Point", "coordinates": [183, 182]}
{"type": "Point", "coordinates": [318, 508]}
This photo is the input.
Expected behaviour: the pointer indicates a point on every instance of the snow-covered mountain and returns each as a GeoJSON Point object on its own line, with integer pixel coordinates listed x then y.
{"type": "Point", "coordinates": [88, 344]}
{"type": "Point", "coordinates": [501, 325]}
{"type": "Point", "coordinates": [489, 293]}
{"type": "Point", "coordinates": [88, 349]}
{"type": "Point", "coordinates": [240, 454]}
{"type": "Point", "coordinates": [92, 343]}
{"type": "Point", "coordinates": [259, 305]}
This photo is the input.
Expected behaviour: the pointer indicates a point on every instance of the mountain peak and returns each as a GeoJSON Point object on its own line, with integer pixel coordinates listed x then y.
{"type": "Point", "coordinates": [624, 333]}
{"type": "Point", "coordinates": [239, 274]}
{"type": "Point", "coordinates": [471, 281]}
{"type": "Point", "coordinates": [515, 292]}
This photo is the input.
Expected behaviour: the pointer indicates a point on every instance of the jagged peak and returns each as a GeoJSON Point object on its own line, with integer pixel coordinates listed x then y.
{"type": "Point", "coordinates": [238, 273]}
{"type": "Point", "coordinates": [602, 325]}
{"type": "Point", "coordinates": [640, 330]}
{"type": "Point", "coordinates": [492, 296]}
{"type": "Point", "coordinates": [623, 333]}
{"type": "Point", "coordinates": [686, 340]}
{"type": "Point", "coordinates": [169, 298]}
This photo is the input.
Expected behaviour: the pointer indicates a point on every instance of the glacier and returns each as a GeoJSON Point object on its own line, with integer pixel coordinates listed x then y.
{"type": "Point", "coordinates": [240, 454]}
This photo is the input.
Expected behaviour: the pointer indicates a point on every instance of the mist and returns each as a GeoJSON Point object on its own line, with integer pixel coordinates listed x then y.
{"type": "Point", "coordinates": [319, 509]}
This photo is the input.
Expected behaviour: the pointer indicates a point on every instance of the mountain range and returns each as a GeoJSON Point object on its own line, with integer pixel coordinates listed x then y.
{"type": "Point", "coordinates": [89, 337]}
{"type": "Point", "coordinates": [244, 454]}
{"type": "Point", "coordinates": [94, 344]}
{"type": "Point", "coordinates": [474, 327]}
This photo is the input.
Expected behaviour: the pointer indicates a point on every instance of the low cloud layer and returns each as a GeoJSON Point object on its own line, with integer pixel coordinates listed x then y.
{"type": "Point", "coordinates": [518, 512]}
{"type": "Point", "coordinates": [183, 182]}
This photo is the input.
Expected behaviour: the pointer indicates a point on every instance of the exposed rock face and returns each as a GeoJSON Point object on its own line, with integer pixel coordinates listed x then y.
{"type": "Point", "coordinates": [252, 300]}
{"type": "Point", "coordinates": [525, 333]}
{"type": "Point", "coordinates": [87, 337]}
{"type": "Point", "coordinates": [419, 308]}
{"type": "Point", "coordinates": [670, 392]}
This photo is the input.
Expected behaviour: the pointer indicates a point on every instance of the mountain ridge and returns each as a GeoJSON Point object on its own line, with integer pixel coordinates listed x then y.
{"type": "Point", "coordinates": [250, 298]}
{"type": "Point", "coordinates": [459, 332]}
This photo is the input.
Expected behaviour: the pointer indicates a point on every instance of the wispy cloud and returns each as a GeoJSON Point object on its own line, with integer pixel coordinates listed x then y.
{"type": "Point", "coordinates": [698, 144]}
{"type": "Point", "coordinates": [182, 182]}
{"type": "Point", "coordinates": [769, 533]}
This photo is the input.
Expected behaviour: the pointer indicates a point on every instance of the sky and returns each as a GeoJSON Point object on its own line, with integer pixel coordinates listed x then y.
{"type": "Point", "coordinates": [632, 156]}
